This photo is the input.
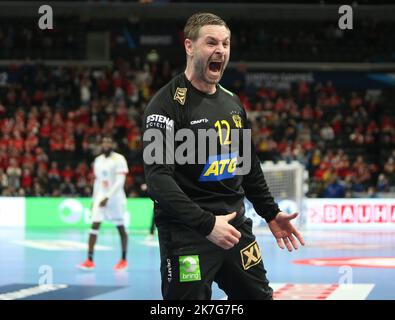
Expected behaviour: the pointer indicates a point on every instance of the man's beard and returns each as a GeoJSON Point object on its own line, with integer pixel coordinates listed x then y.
{"type": "Point", "coordinates": [200, 70]}
{"type": "Point", "coordinates": [107, 152]}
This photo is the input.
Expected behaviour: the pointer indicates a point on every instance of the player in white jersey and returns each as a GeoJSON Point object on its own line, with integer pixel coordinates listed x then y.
{"type": "Point", "coordinates": [109, 199]}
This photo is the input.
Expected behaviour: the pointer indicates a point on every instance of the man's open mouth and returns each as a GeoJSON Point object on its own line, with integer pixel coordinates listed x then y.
{"type": "Point", "coordinates": [215, 66]}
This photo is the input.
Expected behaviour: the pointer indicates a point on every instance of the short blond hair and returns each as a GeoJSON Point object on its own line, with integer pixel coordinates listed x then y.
{"type": "Point", "coordinates": [199, 20]}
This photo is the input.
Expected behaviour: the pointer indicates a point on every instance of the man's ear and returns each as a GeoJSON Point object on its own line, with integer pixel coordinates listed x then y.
{"type": "Point", "coordinates": [188, 43]}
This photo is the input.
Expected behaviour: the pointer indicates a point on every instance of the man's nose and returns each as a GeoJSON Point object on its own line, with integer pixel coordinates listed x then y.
{"type": "Point", "coordinates": [220, 49]}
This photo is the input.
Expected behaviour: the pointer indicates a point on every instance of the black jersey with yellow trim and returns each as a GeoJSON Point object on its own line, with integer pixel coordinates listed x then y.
{"type": "Point", "coordinates": [193, 193]}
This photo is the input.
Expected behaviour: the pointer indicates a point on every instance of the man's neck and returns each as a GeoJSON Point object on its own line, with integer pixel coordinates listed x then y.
{"type": "Point", "coordinates": [198, 83]}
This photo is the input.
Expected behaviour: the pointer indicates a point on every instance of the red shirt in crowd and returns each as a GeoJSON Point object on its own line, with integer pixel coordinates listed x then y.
{"type": "Point", "coordinates": [31, 142]}
{"type": "Point", "coordinates": [17, 143]}
{"type": "Point", "coordinates": [337, 126]}
{"type": "Point", "coordinates": [45, 130]}
{"type": "Point", "coordinates": [68, 173]}
{"type": "Point", "coordinates": [28, 160]}
{"type": "Point", "coordinates": [103, 85]}
{"type": "Point", "coordinates": [303, 89]}
{"type": "Point", "coordinates": [245, 101]}
{"type": "Point", "coordinates": [38, 97]}
{"type": "Point", "coordinates": [69, 143]}
{"type": "Point", "coordinates": [4, 142]}
{"type": "Point", "coordinates": [4, 160]}
{"type": "Point", "coordinates": [54, 172]}
{"type": "Point", "coordinates": [56, 144]}
{"type": "Point", "coordinates": [307, 113]}
{"type": "Point", "coordinates": [26, 180]}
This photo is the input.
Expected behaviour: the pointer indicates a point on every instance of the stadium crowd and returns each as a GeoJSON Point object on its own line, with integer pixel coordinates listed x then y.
{"type": "Point", "coordinates": [52, 119]}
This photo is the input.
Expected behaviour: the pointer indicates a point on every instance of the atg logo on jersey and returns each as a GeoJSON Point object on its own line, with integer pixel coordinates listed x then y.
{"type": "Point", "coordinates": [219, 167]}
{"type": "Point", "coordinates": [159, 121]}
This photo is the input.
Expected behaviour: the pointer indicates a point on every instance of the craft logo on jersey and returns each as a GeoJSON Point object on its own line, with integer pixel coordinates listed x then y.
{"type": "Point", "coordinates": [250, 255]}
{"type": "Point", "coordinates": [237, 120]}
{"type": "Point", "coordinates": [159, 121]}
{"type": "Point", "coordinates": [219, 167]}
{"type": "Point", "coordinates": [204, 120]}
{"type": "Point", "coordinates": [180, 95]}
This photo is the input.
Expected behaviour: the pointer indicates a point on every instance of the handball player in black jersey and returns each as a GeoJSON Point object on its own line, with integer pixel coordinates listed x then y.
{"type": "Point", "coordinates": [204, 235]}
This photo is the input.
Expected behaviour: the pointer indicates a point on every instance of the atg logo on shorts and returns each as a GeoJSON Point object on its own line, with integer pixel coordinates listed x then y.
{"type": "Point", "coordinates": [219, 167]}
{"type": "Point", "coordinates": [159, 121]}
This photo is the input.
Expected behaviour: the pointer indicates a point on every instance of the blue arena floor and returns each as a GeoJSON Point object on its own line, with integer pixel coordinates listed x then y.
{"type": "Point", "coordinates": [41, 264]}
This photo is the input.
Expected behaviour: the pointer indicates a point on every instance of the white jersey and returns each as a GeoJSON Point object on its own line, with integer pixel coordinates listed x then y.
{"type": "Point", "coordinates": [105, 170]}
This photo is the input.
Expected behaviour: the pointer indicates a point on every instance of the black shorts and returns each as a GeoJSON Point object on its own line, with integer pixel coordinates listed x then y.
{"type": "Point", "coordinates": [190, 263]}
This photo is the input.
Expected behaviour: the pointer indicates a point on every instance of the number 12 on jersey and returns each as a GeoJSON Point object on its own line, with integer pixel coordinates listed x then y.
{"type": "Point", "coordinates": [222, 126]}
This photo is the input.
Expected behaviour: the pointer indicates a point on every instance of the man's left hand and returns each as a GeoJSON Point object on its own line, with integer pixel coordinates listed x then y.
{"type": "Point", "coordinates": [285, 232]}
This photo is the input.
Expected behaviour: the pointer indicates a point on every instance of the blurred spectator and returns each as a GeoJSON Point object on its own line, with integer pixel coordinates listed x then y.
{"type": "Point", "coordinates": [383, 183]}
{"type": "Point", "coordinates": [27, 180]}
{"type": "Point", "coordinates": [371, 192]}
{"type": "Point", "coordinates": [3, 180]}
{"type": "Point", "coordinates": [327, 133]}
{"type": "Point", "coordinates": [13, 175]}
{"type": "Point", "coordinates": [334, 189]}
{"type": "Point", "coordinates": [38, 190]}
{"type": "Point", "coordinates": [389, 171]}
{"type": "Point", "coordinates": [67, 188]}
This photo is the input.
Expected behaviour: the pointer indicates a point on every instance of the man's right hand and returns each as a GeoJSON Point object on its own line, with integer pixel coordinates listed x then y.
{"type": "Point", "coordinates": [103, 203]}
{"type": "Point", "coordinates": [224, 234]}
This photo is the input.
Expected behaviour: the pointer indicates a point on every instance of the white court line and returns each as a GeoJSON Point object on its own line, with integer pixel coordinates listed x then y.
{"type": "Point", "coordinates": [58, 245]}
{"type": "Point", "coordinates": [351, 292]}
{"type": "Point", "coordinates": [150, 243]}
{"type": "Point", "coordinates": [343, 292]}
{"type": "Point", "coordinates": [31, 291]}
{"type": "Point", "coordinates": [274, 286]}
